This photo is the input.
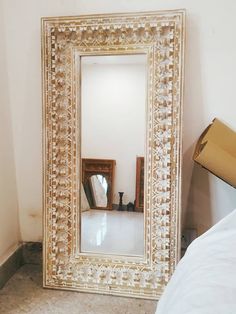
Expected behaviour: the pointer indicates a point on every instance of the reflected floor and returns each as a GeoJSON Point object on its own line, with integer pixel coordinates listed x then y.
{"type": "Point", "coordinates": [112, 232]}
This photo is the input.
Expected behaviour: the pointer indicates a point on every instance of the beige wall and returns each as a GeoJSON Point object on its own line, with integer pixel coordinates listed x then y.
{"type": "Point", "coordinates": [209, 92]}
{"type": "Point", "coordinates": [9, 225]}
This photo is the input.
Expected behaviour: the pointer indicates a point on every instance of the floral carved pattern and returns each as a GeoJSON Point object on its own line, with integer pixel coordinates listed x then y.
{"type": "Point", "coordinates": [160, 35]}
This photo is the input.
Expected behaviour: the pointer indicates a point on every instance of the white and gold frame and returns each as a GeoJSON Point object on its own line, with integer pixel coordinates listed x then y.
{"type": "Point", "coordinates": [160, 35]}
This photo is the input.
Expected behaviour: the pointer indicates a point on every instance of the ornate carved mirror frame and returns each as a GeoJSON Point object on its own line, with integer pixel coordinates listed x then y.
{"type": "Point", "coordinates": [160, 35]}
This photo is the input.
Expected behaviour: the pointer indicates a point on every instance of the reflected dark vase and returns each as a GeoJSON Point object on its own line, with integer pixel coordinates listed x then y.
{"type": "Point", "coordinates": [130, 207]}
{"type": "Point", "coordinates": [120, 201]}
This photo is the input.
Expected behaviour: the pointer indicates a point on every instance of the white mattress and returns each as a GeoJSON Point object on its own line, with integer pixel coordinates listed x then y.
{"type": "Point", "coordinates": [205, 279]}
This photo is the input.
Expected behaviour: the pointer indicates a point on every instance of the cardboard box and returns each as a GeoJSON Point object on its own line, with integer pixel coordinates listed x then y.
{"type": "Point", "coordinates": [216, 151]}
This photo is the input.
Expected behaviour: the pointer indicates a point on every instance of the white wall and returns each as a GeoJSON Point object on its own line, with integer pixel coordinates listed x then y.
{"type": "Point", "coordinates": [9, 225]}
{"type": "Point", "coordinates": [113, 119]}
{"type": "Point", "coordinates": [209, 92]}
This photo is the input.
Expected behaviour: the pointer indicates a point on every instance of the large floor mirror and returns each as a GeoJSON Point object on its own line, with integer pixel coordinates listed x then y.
{"type": "Point", "coordinates": [112, 93]}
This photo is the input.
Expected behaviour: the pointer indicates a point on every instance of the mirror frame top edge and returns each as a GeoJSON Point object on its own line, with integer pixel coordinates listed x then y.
{"type": "Point", "coordinates": [162, 13]}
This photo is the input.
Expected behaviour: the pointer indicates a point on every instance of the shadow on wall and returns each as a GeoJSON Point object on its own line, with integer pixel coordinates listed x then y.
{"type": "Point", "coordinates": [199, 214]}
{"type": "Point", "coordinates": [195, 190]}
{"type": "Point", "coordinates": [9, 220]}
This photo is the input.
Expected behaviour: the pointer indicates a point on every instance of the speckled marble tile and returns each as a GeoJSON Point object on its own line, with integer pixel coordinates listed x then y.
{"type": "Point", "coordinates": [23, 293]}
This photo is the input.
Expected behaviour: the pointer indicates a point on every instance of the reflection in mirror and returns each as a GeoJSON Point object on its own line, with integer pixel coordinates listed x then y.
{"type": "Point", "coordinates": [139, 183]}
{"type": "Point", "coordinates": [113, 124]}
{"type": "Point", "coordinates": [98, 182]}
{"type": "Point", "coordinates": [99, 188]}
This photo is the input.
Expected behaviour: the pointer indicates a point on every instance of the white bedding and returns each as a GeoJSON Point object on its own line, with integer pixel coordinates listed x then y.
{"type": "Point", "coordinates": [205, 279]}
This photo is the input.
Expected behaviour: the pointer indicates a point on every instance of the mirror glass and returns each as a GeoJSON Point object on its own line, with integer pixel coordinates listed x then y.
{"type": "Point", "coordinates": [113, 133]}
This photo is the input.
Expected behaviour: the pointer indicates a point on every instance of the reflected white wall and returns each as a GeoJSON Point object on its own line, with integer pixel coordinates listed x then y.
{"type": "Point", "coordinates": [113, 118]}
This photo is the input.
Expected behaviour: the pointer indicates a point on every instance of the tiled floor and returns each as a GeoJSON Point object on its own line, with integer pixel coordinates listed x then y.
{"type": "Point", "coordinates": [23, 293]}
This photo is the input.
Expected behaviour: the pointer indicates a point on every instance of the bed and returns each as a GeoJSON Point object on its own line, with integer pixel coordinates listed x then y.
{"type": "Point", "coordinates": [204, 281]}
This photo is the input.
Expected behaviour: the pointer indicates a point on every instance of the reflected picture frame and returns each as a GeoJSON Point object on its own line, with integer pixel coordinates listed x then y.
{"type": "Point", "coordinates": [139, 186]}
{"type": "Point", "coordinates": [104, 167]}
{"type": "Point", "coordinates": [159, 35]}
